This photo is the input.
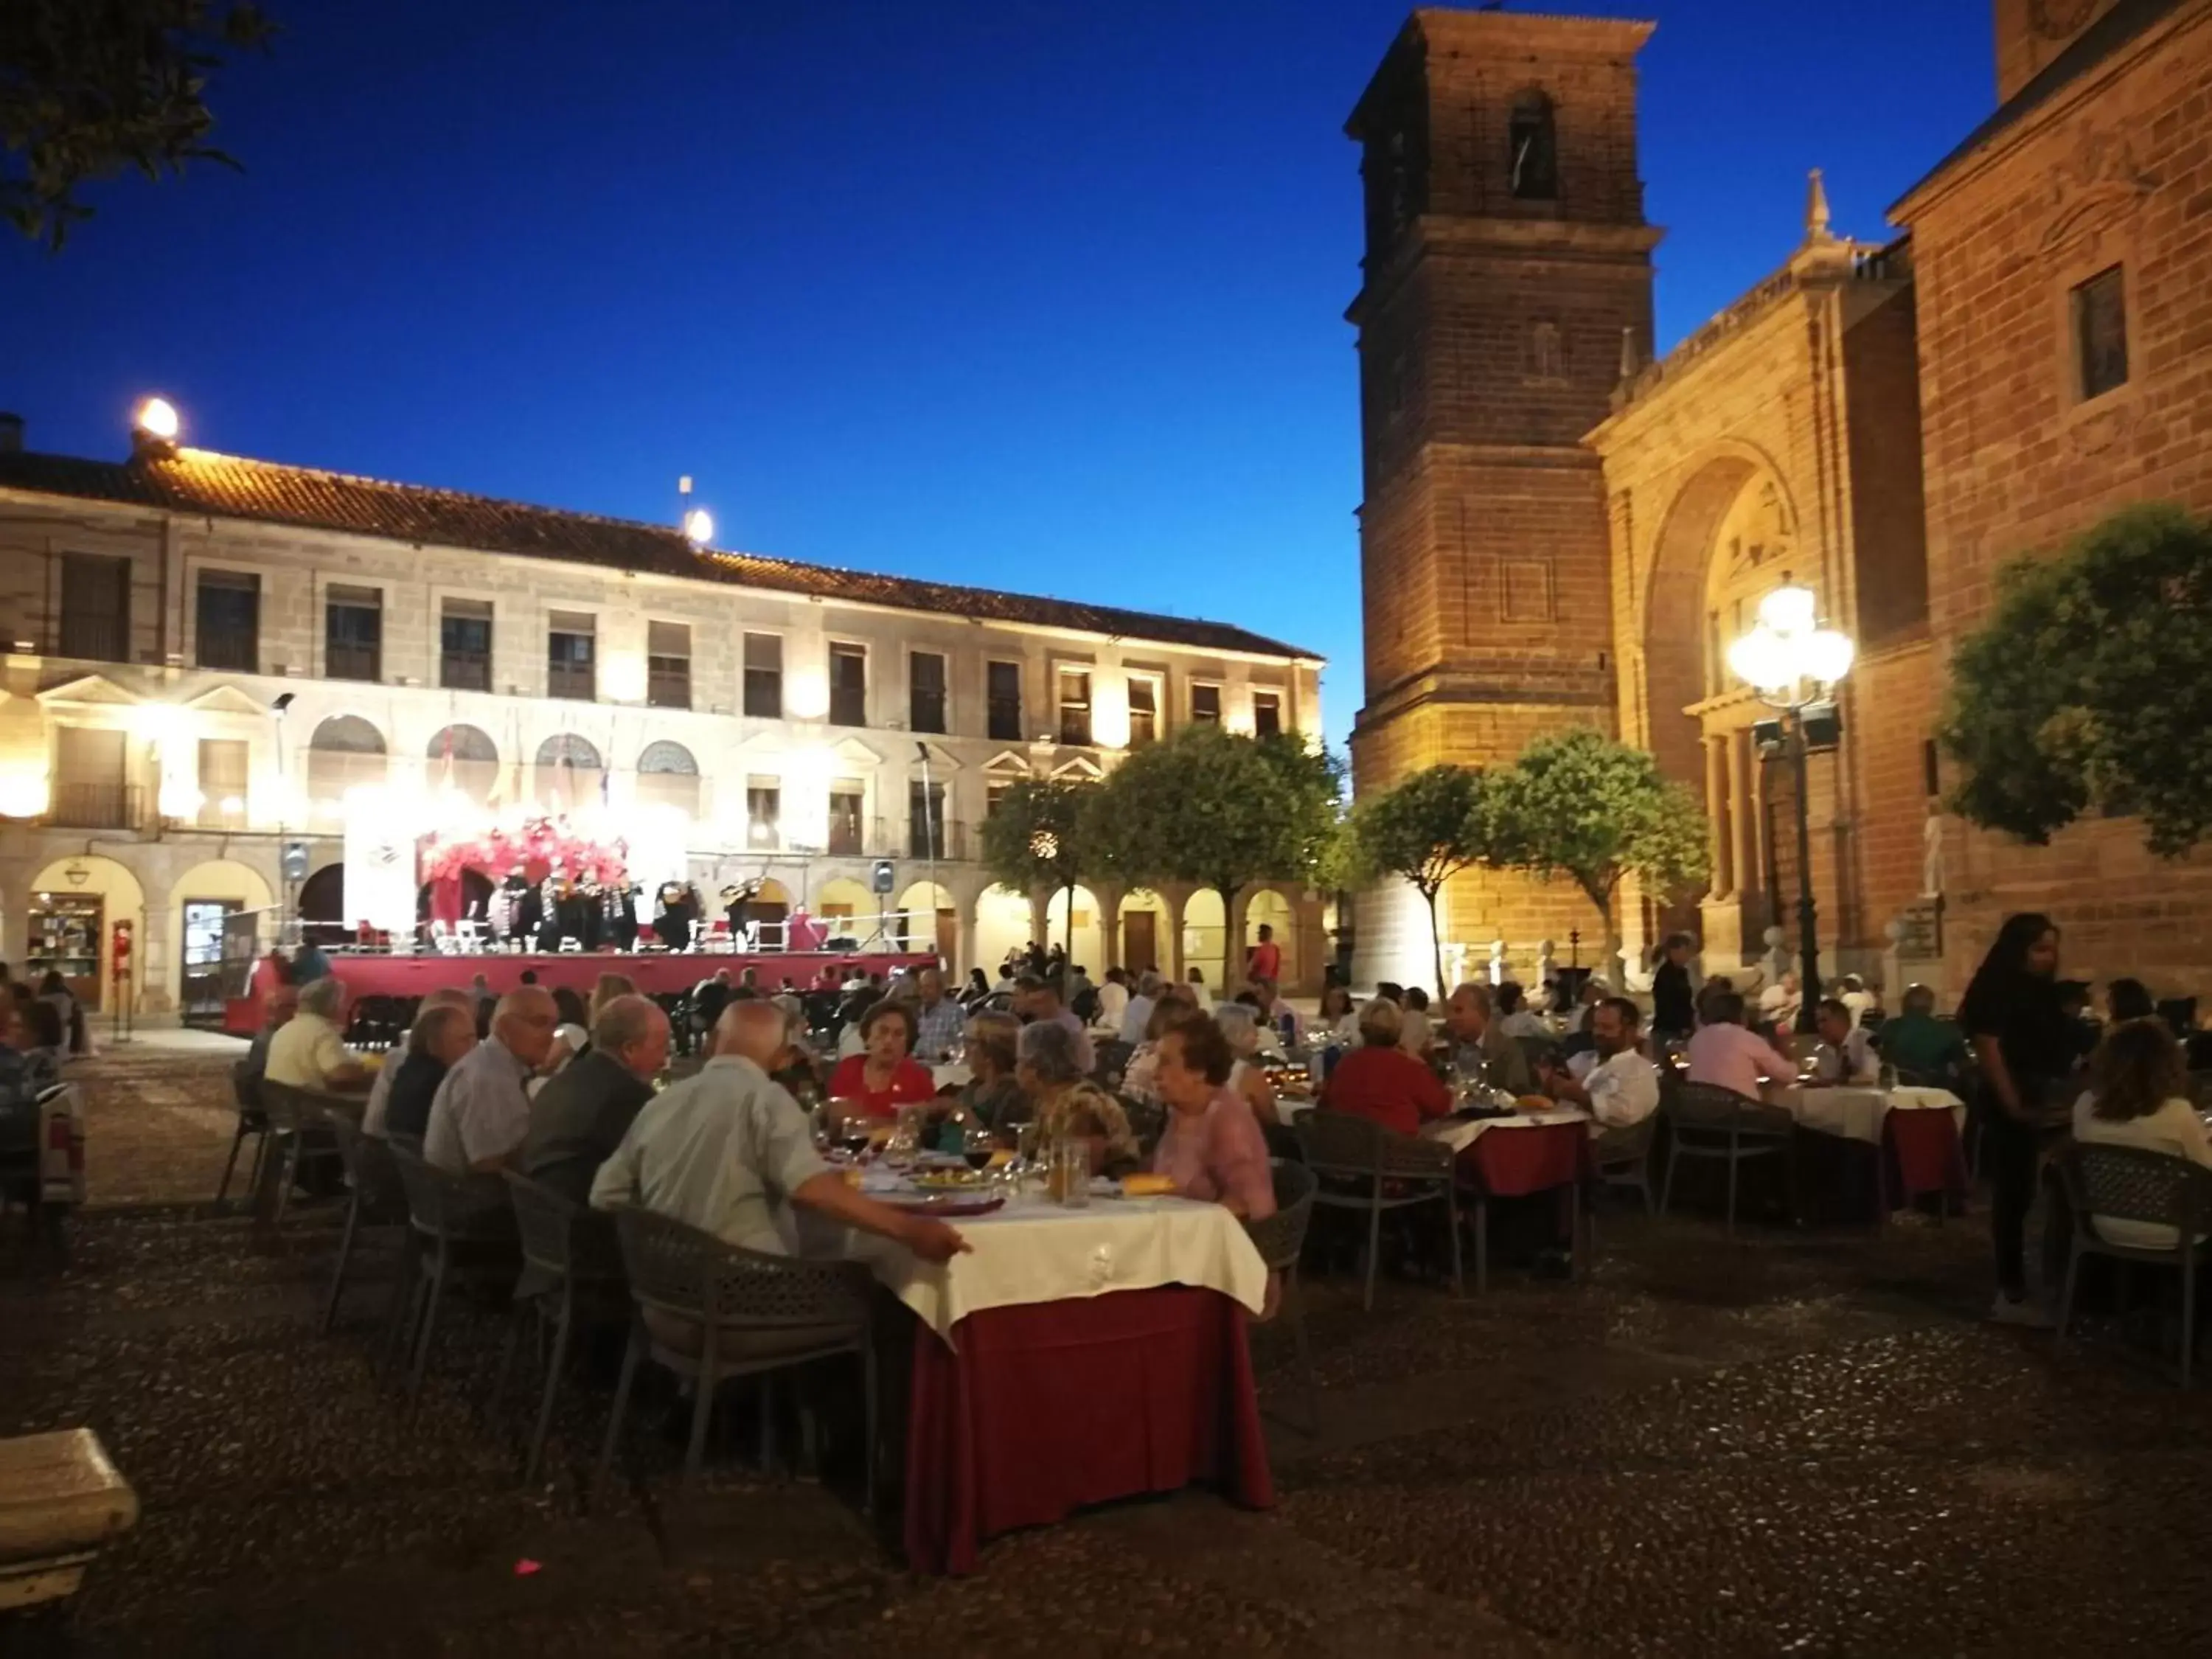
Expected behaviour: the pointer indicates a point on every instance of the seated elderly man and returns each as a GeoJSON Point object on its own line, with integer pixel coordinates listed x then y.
{"type": "Point", "coordinates": [309, 1052]}
{"type": "Point", "coordinates": [1916, 1040]}
{"type": "Point", "coordinates": [375, 1116]}
{"type": "Point", "coordinates": [1272, 1010]}
{"type": "Point", "coordinates": [1037, 1001]}
{"type": "Point", "coordinates": [1479, 1045]}
{"type": "Point", "coordinates": [277, 1010]}
{"type": "Point", "coordinates": [728, 1152]}
{"type": "Point", "coordinates": [1728, 1055]}
{"type": "Point", "coordinates": [582, 1114]}
{"type": "Point", "coordinates": [1138, 1014]}
{"type": "Point", "coordinates": [1622, 1089]}
{"type": "Point", "coordinates": [481, 1113]}
{"type": "Point", "coordinates": [441, 1037]}
{"type": "Point", "coordinates": [1846, 1055]}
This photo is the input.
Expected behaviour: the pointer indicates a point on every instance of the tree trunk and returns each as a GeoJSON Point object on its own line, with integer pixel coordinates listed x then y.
{"type": "Point", "coordinates": [1436, 942]}
{"type": "Point", "coordinates": [1068, 934]}
{"type": "Point", "coordinates": [1232, 948]}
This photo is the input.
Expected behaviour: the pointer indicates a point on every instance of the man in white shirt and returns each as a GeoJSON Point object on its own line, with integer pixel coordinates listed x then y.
{"type": "Point", "coordinates": [481, 1114]}
{"type": "Point", "coordinates": [308, 1052]}
{"type": "Point", "coordinates": [379, 1092]}
{"type": "Point", "coordinates": [729, 1152]}
{"type": "Point", "coordinates": [1138, 1014]}
{"type": "Point", "coordinates": [1622, 1089]}
{"type": "Point", "coordinates": [1113, 1001]}
{"type": "Point", "coordinates": [1847, 1053]}
{"type": "Point", "coordinates": [1778, 1002]}
{"type": "Point", "coordinates": [1272, 1010]}
{"type": "Point", "coordinates": [1852, 993]}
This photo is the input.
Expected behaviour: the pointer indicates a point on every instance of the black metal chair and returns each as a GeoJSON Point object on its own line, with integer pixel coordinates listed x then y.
{"type": "Point", "coordinates": [459, 1226]}
{"type": "Point", "coordinates": [1623, 1157]}
{"type": "Point", "coordinates": [1713, 1124]}
{"type": "Point", "coordinates": [2132, 1183]}
{"type": "Point", "coordinates": [752, 1313]}
{"type": "Point", "coordinates": [245, 1089]}
{"type": "Point", "coordinates": [376, 1198]}
{"type": "Point", "coordinates": [1281, 1239]}
{"type": "Point", "coordinates": [1378, 1171]}
{"type": "Point", "coordinates": [571, 1263]}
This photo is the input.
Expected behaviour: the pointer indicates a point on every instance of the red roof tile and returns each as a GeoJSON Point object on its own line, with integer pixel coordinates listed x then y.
{"type": "Point", "coordinates": [202, 483]}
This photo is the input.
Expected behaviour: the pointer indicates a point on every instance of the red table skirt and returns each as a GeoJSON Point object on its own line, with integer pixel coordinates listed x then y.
{"type": "Point", "coordinates": [1046, 1407]}
{"type": "Point", "coordinates": [1921, 1153]}
{"type": "Point", "coordinates": [1514, 1162]}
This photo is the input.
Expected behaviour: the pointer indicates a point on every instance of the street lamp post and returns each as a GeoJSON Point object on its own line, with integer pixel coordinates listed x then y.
{"type": "Point", "coordinates": [1794, 666]}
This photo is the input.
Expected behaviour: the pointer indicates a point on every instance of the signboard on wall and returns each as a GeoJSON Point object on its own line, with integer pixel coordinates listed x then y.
{"type": "Point", "coordinates": [379, 864]}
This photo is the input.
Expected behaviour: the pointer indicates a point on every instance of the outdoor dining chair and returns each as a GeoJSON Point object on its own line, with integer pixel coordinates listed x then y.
{"type": "Point", "coordinates": [1713, 1124]}
{"type": "Point", "coordinates": [291, 1115]}
{"type": "Point", "coordinates": [571, 1265]}
{"type": "Point", "coordinates": [1281, 1239]}
{"type": "Point", "coordinates": [710, 1310]}
{"type": "Point", "coordinates": [1378, 1171]}
{"type": "Point", "coordinates": [2132, 1183]}
{"type": "Point", "coordinates": [456, 1232]}
{"type": "Point", "coordinates": [375, 1197]}
{"type": "Point", "coordinates": [1623, 1157]}
{"type": "Point", "coordinates": [245, 1089]}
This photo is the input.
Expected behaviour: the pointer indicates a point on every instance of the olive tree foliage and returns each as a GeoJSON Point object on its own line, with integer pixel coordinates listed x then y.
{"type": "Point", "coordinates": [2089, 687]}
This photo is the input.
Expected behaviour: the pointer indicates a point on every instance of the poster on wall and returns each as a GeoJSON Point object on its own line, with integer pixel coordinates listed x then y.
{"type": "Point", "coordinates": [380, 866]}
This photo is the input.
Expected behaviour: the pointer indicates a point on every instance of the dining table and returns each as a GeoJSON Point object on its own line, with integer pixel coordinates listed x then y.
{"type": "Point", "coordinates": [1075, 1354]}
{"type": "Point", "coordinates": [1917, 1134]}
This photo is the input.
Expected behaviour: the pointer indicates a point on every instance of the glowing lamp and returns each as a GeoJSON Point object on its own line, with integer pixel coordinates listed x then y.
{"type": "Point", "coordinates": [1789, 609]}
{"type": "Point", "coordinates": [699, 526]}
{"type": "Point", "coordinates": [1763, 658]}
{"type": "Point", "coordinates": [157, 418]}
{"type": "Point", "coordinates": [1827, 655]}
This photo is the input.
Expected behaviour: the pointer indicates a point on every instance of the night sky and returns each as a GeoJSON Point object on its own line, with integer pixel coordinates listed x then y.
{"type": "Point", "coordinates": [1032, 295]}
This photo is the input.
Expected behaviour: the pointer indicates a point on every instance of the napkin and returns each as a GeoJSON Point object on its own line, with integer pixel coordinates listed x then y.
{"type": "Point", "coordinates": [1146, 1186]}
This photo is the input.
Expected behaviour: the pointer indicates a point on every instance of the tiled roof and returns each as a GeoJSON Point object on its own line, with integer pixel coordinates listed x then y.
{"type": "Point", "coordinates": [2083, 53]}
{"type": "Point", "coordinates": [202, 482]}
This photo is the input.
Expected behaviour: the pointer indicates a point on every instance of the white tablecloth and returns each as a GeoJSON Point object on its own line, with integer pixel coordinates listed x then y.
{"type": "Point", "coordinates": [1856, 1113]}
{"type": "Point", "coordinates": [1034, 1250]}
{"type": "Point", "coordinates": [951, 1074]}
{"type": "Point", "coordinates": [1459, 1134]}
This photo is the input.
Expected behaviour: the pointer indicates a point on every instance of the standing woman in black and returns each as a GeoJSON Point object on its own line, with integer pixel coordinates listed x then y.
{"type": "Point", "coordinates": [2011, 1016]}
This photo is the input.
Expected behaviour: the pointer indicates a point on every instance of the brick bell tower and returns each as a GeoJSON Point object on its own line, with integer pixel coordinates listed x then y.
{"type": "Point", "coordinates": [1507, 272]}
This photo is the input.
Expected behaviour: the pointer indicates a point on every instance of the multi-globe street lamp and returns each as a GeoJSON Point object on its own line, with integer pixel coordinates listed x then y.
{"type": "Point", "coordinates": [1795, 664]}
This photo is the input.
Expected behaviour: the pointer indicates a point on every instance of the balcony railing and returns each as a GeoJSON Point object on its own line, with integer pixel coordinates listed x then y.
{"type": "Point", "coordinates": [96, 806]}
{"type": "Point", "coordinates": [352, 662]}
{"type": "Point", "coordinates": [234, 653]}
{"type": "Point", "coordinates": [94, 638]}
{"type": "Point", "coordinates": [566, 681]}
{"type": "Point", "coordinates": [1005, 715]}
{"type": "Point", "coordinates": [848, 706]}
{"type": "Point", "coordinates": [465, 670]}
{"type": "Point", "coordinates": [668, 687]}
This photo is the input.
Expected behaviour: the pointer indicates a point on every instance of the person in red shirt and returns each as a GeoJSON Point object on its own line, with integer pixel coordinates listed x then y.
{"type": "Point", "coordinates": [884, 1077]}
{"type": "Point", "coordinates": [1381, 1081]}
{"type": "Point", "coordinates": [1265, 959]}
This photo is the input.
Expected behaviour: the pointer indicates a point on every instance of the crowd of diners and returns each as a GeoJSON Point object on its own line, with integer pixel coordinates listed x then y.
{"type": "Point", "coordinates": [576, 1094]}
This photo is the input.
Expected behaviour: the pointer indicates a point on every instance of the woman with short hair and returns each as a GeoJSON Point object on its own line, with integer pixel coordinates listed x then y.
{"type": "Point", "coordinates": [1247, 1078]}
{"type": "Point", "coordinates": [1212, 1149]}
{"type": "Point", "coordinates": [1381, 1081]}
{"type": "Point", "coordinates": [1067, 1105]}
{"type": "Point", "coordinates": [884, 1076]}
{"type": "Point", "coordinates": [992, 1096]}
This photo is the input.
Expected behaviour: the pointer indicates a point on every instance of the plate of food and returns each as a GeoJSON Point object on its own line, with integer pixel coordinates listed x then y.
{"type": "Point", "coordinates": [954, 1178]}
{"type": "Point", "coordinates": [972, 1201]}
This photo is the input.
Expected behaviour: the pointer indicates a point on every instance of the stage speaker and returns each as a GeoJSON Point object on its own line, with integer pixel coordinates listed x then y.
{"type": "Point", "coordinates": [883, 876]}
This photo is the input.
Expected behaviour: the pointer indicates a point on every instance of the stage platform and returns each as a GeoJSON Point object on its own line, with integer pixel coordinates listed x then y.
{"type": "Point", "coordinates": [654, 972]}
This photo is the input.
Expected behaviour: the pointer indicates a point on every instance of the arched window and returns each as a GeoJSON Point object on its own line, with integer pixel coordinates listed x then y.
{"type": "Point", "coordinates": [1533, 149]}
{"type": "Point", "coordinates": [474, 761]}
{"type": "Point", "coordinates": [569, 771]}
{"type": "Point", "coordinates": [668, 775]}
{"type": "Point", "coordinates": [344, 753]}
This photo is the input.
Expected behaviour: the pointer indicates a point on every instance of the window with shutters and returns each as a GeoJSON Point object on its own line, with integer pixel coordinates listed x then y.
{"type": "Point", "coordinates": [849, 685]}
{"type": "Point", "coordinates": [1267, 714]}
{"type": "Point", "coordinates": [95, 607]}
{"type": "Point", "coordinates": [2100, 333]}
{"type": "Point", "coordinates": [1205, 703]}
{"type": "Point", "coordinates": [764, 676]}
{"type": "Point", "coordinates": [465, 645]}
{"type": "Point", "coordinates": [764, 810]}
{"type": "Point", "coordinates": [1004, 689]}
{"type": "Point", "coordinates": [849, 799]}
{"type": "Point", "coordinates": [227, 621]}
{"type": "Point", "coordinates": [1075, 706]}
{"type": "Point", "coordinates": [353, 632]}
{"type": "Point", "coordinates": [924, 820]}
{"type": "Point", "coordinates": [572, 656]}
{"type": "Point", "coordinates": [222, 777]}
{"type": "Point", "coordinates": [1143, 710]}
{"type": "Point", "coordinates": [925, 691]}
{"type": "Point", "coordinates": [668, 665]}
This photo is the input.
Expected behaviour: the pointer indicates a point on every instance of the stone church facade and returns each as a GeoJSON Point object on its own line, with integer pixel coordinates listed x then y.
{"type": "Point", "coordinates": [1886, 423]}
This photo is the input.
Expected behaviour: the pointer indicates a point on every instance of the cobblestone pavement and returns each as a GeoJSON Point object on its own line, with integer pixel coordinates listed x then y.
{"type": "Point", "coordinates": [1799, 1443]}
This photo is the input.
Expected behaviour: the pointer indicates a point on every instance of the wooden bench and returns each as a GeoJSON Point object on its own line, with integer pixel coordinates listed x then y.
{"type": "Point", "coordinates": [61, 1503]}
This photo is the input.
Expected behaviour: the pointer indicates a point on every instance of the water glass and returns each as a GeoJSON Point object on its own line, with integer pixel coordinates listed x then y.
{"type": "Point", "coordinates": [1067, 1175]}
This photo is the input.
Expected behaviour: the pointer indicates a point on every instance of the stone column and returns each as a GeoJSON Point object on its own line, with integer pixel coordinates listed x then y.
{"type": "Point", "coordinates": [1717, 815]}
{"type": "Point", "coordinates": [1743, 816]}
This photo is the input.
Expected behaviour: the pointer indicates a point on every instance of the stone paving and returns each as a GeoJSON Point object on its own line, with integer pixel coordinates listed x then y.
{"type": "Point", "coordinates": [1799, 1443]}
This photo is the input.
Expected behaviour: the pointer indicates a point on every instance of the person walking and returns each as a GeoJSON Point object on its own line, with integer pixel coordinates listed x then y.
{"type": "Point", "coordinates": [2010, 1014]}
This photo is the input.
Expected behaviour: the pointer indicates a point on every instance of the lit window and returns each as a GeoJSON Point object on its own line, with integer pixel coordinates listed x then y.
{"type": "Point", "coordinates": [2100, 333]}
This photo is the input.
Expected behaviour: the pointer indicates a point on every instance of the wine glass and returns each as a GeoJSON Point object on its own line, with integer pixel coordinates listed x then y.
{"type": "Point", "coordinates": [976, 1146]}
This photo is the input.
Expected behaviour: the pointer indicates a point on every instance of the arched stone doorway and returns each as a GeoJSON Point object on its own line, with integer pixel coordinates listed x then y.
{"type": "Point", "coordinates": [1147, 938]}
{"type": "Point", "coordinates": [466, 757]}
{"type": "Point", "coordinates": [1206, 938]}
{"type": "Point", "coordinates": [346, 752]}
{"type": "Point", "coordinates": [75, 903]}
{"type": "Point", "coordinates": [1003, 923]}
{"type": "Point", "coordinates": [931, 920]}
{"type": "Point", "coordinates": [201, 902]}
{"type": "Point", "coordinates": [1270, 908]}
{"type": "Point", "coordinates": [848, 910]}
{"type": "Point", "coordinates": [1087, 946]}
{"type": "Point", "coordinates": [321, 906]}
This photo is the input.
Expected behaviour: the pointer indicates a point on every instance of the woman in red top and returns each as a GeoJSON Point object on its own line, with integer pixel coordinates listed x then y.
{"type": "Point", "coordinates": [1381, 1081]}
{"type": "Point", "coordinates": [882, 1078]}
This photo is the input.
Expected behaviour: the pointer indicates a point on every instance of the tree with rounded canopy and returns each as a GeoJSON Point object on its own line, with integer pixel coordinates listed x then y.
{"type": "Point", "coordinates": [1040, 836]}
{"type": "Point", "coordinates": [1218, 809]}
{"type": "Point", "coordinates": [1580, 804]}
{"type": "Point", "coordinates": [2089, 687]}
{"type": "Point", "coordinates": [1424, 828]}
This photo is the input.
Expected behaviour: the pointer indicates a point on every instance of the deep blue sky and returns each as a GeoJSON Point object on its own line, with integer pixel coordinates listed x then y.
{"type": "Point", "coordinates": [1032, 294]}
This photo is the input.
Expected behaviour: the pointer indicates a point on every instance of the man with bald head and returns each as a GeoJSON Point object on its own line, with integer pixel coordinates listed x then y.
{"type": "Point", "coordinates": [1480, 1044]}
{"type": "Point", "coordinates": [444, 1033]}
{"type": "Point", "coordinates": [582, 1114]}
{"type": "Point", "coordinates": [481, 1114]}
{"type": "Point", "coordinates": [730, 1152]}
